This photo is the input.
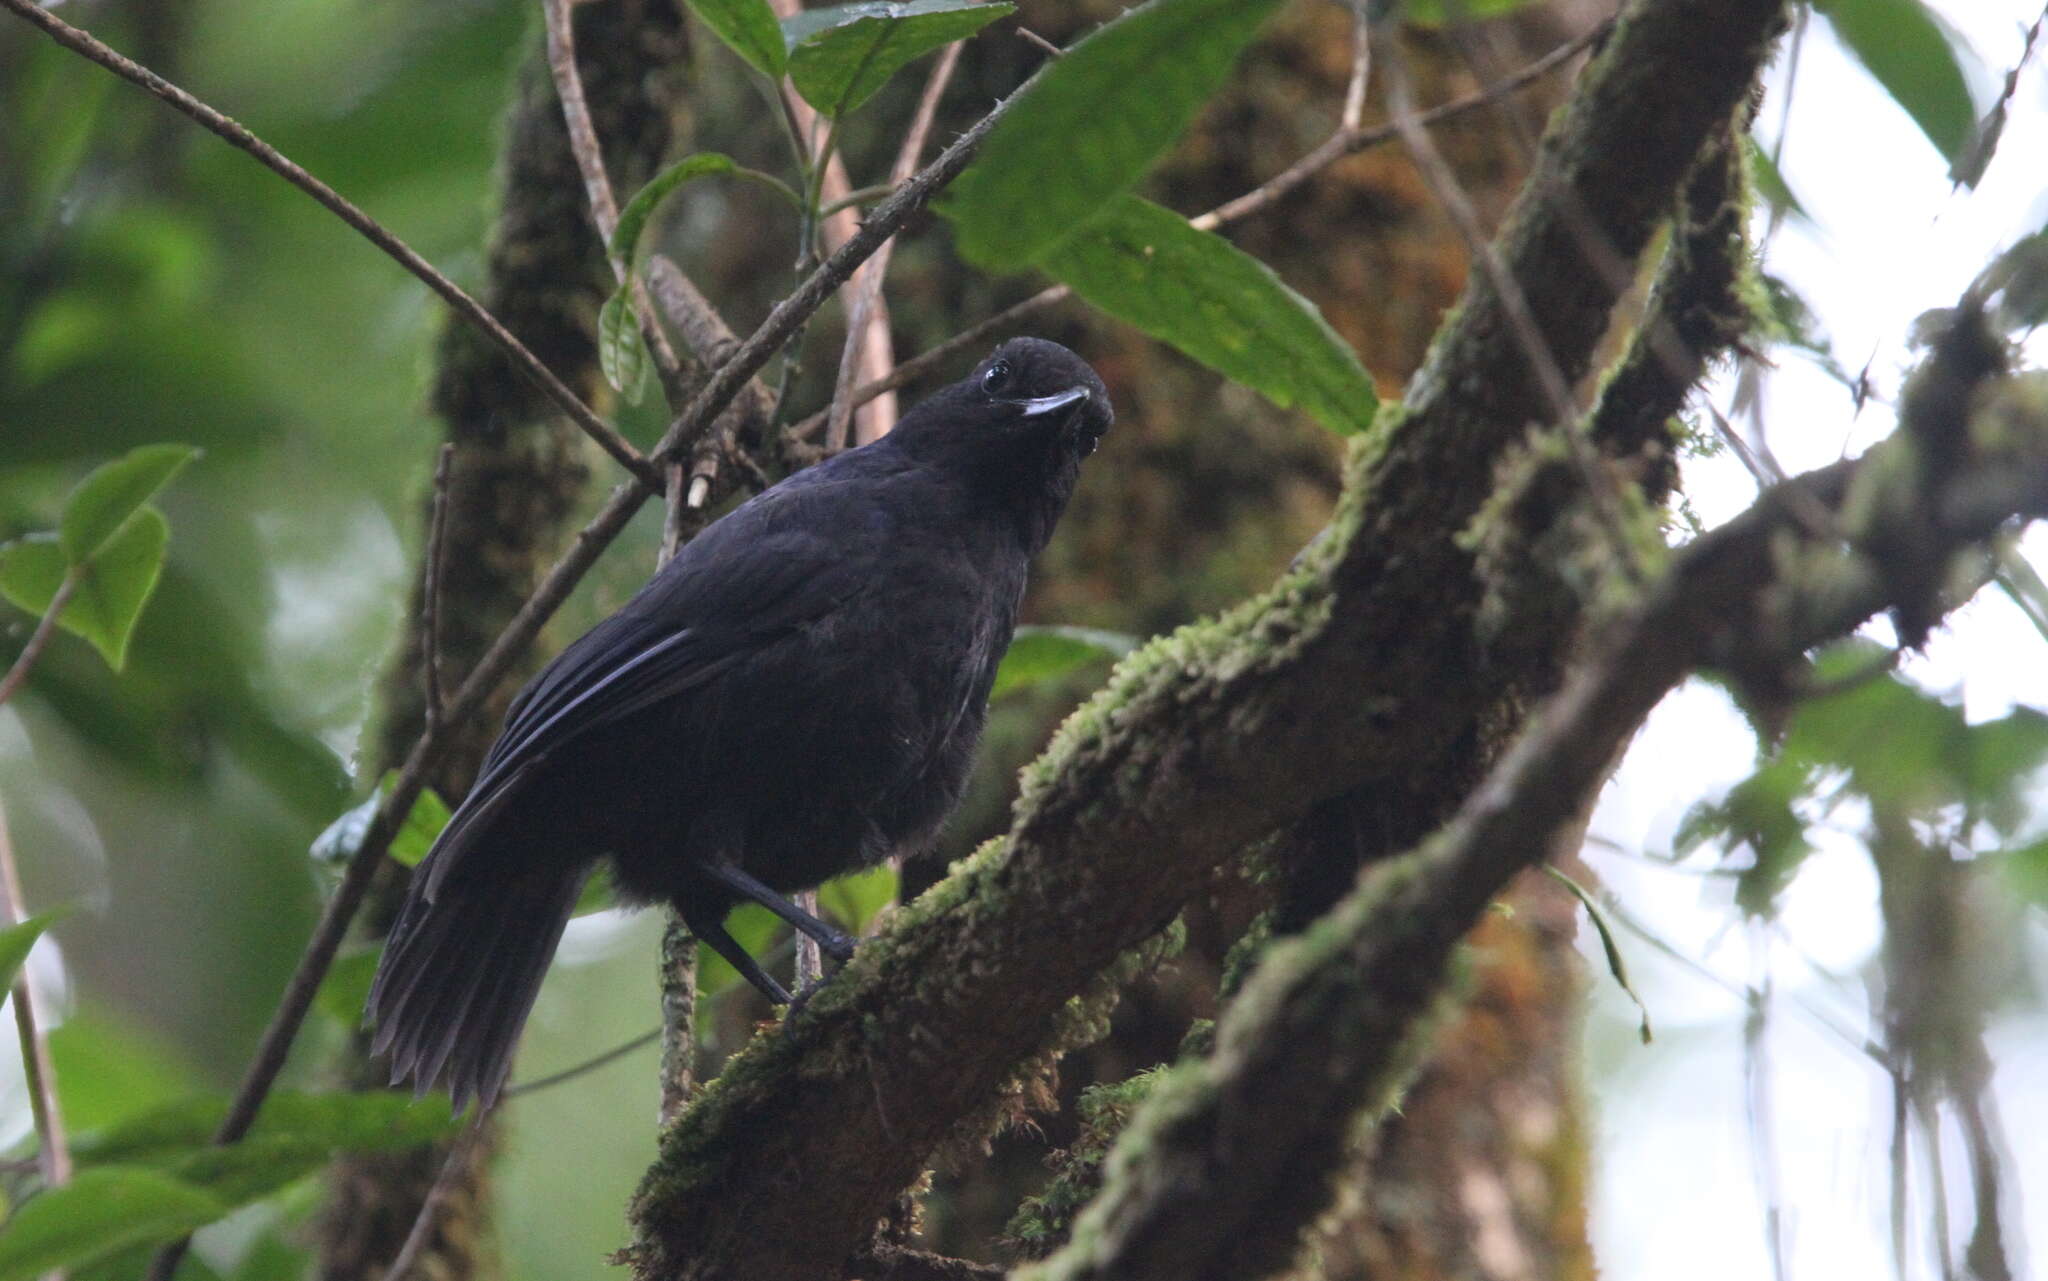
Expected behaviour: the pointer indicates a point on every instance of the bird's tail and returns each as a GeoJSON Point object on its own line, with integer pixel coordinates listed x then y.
{"type": "Point", "coordinates": [460, 972]}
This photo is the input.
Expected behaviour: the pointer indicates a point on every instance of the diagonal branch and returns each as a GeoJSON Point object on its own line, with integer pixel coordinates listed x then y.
{"type": "Point", "coordinates": [1324, 1026]}
{"type": "Point", "coordinates": [371, 230]}
{"type": "Point", "coordinates": [1209, 738]}
{"type": "Point", "coordinates": [590, 542]}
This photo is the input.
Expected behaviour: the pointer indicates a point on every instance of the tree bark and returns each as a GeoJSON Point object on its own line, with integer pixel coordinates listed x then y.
{"type": "Point", "coordinates": [1209, 738]}
{"type": "Point", "coordinates": [519, 472]}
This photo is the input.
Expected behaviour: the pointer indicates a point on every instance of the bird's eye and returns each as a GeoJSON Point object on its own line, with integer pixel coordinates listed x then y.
{"type": "Point", "coordinates": [997, 377]}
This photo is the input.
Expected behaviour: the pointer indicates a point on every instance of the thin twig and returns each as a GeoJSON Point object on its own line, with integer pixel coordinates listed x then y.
{"type": "Point", "coordinates": [597, 185]}
{"type": "Point", "coordinates": [1535, 348]}
{"type": "Point", "coordinates": [810, 961]}
{"type": "Point", "coordinates": [1350, 141]}
{"type": "Point", "coordinates": [867, 288]}
{"type": "Point", "coordinates": [883, 1262]}
{"type": "Point", "coordinates": [1345, 142]}
{"type": "Point", "coordinates": [437, 1196]}
{"type": "Point", "coordinates": [745, 360]}
{"type": "Point", "coordinates": [274, 160]}
{"type": "Point", "coordinates": [53, 1152]}
{"type": "Point", "coordinates": [587, 1066]}
{"type": "Point", "coordinates": [46, 627]}
{"type": "Point", "coordinates": [1032, 37]}
{"type": "Point", "coordinates": [430, 589]}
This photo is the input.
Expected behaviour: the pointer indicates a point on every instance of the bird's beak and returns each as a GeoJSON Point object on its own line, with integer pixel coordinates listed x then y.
{"type": "Point", "coordinates": [1053, 403]}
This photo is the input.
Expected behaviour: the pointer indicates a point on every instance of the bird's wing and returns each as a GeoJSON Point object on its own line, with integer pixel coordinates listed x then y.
{"type": "Point", "coordinates": [764, 570]}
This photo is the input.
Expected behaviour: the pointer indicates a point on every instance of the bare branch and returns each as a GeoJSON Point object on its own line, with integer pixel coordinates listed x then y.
{"type": "Point", "coordinates": [867, 290]}
{"type": "Point", "coordinates": [430, 588]}
{"type": "Point", "coordinates": [453, 294]}
{"type": "Point", "coordinates": [604, 206]}
{"type": "Point", "coordinates": [53, 1152]}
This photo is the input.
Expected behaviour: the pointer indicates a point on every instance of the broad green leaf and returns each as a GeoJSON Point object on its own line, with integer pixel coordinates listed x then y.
{"type": "Point", "coordinates": [620, 351]}
{"type": "Point", "coordinates": [748, 28]}
{"type": "Point", "coordinates": [113, 492]}
{"type": "Point", "coordinates": [1092, 123]}
{"type": "Point", "coordinates": [1443, 13]}
{"type": "Point", "coordinates": [633, 218]}
{"type": "Point", "coordinates": [839, 56]}
{"type": "Point", "coordinates": [112, 590]}
{"type": "Point", "coordinates": [853, 900]}
{"type": "Point", "coordinates": [339, 840]}
{"type": "Point", "coordinates": [1193, 289]}
{"type": "Point", "coordinates": [17, 941]}
{"type": "Point", "coordinates": [100, 1212]}
{"type": "Point", "coordinates": [339, 1121]}
{"type": "Point", "coordinates": [1907, 50]}
{"type": "Point", "coordinates": [294, 1135]}
{"type": "Point", "coordinates": [109, 1069]}
{"type": "Point", "coordinates": [1900, 744]}
{"type": "Point", "coordinates": [1041, 653]}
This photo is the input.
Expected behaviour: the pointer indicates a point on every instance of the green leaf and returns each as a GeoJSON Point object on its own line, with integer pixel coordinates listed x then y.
{"type": "Point", "coordinates": [748, 28]}
{"type": "Point", "coordinates": [1091, 124]}
{"type": "Point", "coordinates": [109, 1069]}
{"type": "Point", "coordinates": [1757, 814]}
{"type": "Point", "coordinates": [1042, 653]}
{"type": "Point", "coordinates": [1193, 289]}
{"type": "Point", "coordinates": [753, 927]}
{"type": "Point", "coordinates": [1905, 48]}
{"type": "Point", "coordinates": [839, 56]}
{"type": "Point", "coordinates": [112, 590]}
{"type": "Point", "coordinates": [294, 1135]}
{"type": "Point", "coordinates": [620, 352]}
{"type": "Point", "coordinates": [339, 840]}
{"type": "Point", "coordinates": [17, 941]}
{"type": "Point", "coordinates": [1770, 181]}
{"type": "Point", "coordinates": [1615, 965]}
{"type": "Point", "coordinates": [1443, 13]}
{"type": "Point", "coordinates": [113, 492]}
{"type": "Point", "coordinates": [346, 988]}
{"type": "Point", "coordinates": [422, 826]}
{"type": "Point", "coordinates": [100, 1212]}
{"type": "Point", "coordinates": [633, 218]}
{"type": "Point", "coordinates": [853, 900]}
{"type": "Point", "coordinates": [2027, 870]}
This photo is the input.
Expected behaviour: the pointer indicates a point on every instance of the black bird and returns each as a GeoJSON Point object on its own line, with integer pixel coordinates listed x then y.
{"type": "Point", "coordinates": [796, 694]}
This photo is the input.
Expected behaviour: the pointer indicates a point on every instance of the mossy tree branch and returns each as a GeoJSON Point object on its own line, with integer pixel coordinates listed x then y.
{"type": "Point", "coordinates": [1362, 664]}
{"type": "Point", "coordinates": [1327, 1023]}
{"type": "Point", "coordinates": [520, 470]}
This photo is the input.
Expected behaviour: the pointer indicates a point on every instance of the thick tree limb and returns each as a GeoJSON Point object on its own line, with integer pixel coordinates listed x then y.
{"type": "Point", "coordinates": [1326, 1023]}
{"type": "Point", "coordinates": [1206, 739]}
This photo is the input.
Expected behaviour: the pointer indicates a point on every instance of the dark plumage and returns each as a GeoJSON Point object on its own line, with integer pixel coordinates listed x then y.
{"type": "Point", "coordinates": [797, 694]}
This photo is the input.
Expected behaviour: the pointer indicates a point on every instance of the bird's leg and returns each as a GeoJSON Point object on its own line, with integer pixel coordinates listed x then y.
{"type": "Point", "coordinates": [830, 941]}
{"type": "Point", "coordinates": [711, 929]}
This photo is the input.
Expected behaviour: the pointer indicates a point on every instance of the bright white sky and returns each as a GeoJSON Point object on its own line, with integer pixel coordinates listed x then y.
{"type": "Point", "coordinates": [1678, 1173]}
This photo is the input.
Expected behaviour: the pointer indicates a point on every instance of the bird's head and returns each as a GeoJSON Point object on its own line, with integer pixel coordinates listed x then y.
{"type": "Point", "coordinates": [1031, 385]}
